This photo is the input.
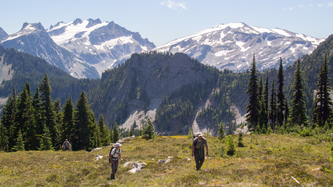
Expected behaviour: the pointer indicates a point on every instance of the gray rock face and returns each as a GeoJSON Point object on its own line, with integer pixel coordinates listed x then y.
{"type": "Point", "coordinates": [232, 46]}
{"type": "Point", "coordinates": [103, 45]}
{"type": "Point", "coordinates": [34, 40]}
{"type": "Point", "coordinates": [3, 34]}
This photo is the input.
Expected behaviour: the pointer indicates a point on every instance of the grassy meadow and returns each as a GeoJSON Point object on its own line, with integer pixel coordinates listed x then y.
{"type": "Point", "coordinates": [265, 160]}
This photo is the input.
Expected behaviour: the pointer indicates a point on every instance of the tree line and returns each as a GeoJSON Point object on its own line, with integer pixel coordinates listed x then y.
{"type": "Point", "coordinates": [272, 113]}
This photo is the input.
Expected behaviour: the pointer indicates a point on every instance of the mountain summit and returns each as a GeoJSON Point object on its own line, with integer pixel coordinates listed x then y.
{"type": "Point", "coordinates": [33, 39]}
{"type": "Point", "coordinates": [231, 46]}
{"type": "Point", "coordinates": [101, 44]}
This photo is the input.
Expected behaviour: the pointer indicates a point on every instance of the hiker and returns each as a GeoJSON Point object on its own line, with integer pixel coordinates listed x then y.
{"type": "Point", "coordinates": [115, 155]}
{"type": "Point", "coordinates": [198, 150]}
{"type": "Point", "coordinates": [66, 145]}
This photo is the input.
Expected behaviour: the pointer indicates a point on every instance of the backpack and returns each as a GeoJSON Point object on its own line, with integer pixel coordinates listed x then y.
{"type": "Point", "coordinates": [111, 156]}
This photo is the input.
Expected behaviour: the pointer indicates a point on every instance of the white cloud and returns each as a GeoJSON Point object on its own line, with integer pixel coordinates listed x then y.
{"type": "Point", "coordinates": [320, 5]}
{"type": "Point", "coordinates": [330, 4]}
{"type": "Point", "coordinates": [174, 5]}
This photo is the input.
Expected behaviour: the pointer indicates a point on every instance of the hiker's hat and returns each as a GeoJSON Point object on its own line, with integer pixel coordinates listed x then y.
{"type": "Point", "coordinates": [118, 145]}
{"type": "Point", "coordinates": [199, 134]}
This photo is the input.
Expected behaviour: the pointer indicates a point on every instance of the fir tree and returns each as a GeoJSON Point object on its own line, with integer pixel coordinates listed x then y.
{"type": "Point", "coordinates": [190, 133]}
{"type": "Point", "coordinates": [240, 140]}
{"type": "Point", "coordinates": [37, 113]}
{"type": "Point", "coordinates": [8, 121]}
{"type": "Point", "coordinates": [68, 121]}
{"type": "Point", "coordinates": [149, 131]}
{"type": "Point", "coordinates": [286, 113]}
{"type": "Point", "coordinates": [116, 133]}
{"type": "Point", "coordinates": [266, 93]}
{"type": "Point", "coordinates": [231, 150]}
{"type": "Point", "coordinates": [323, 103]}
{"type": "Point", "coordinates": [272, 112]}
{"type": "Point", "coordinates": [221, 131]}
{"type": "Point", "coordinates": [48, 112]}
{"type": "Point", "coordinates": [280, 108]}
{"type": "Point", "coordinates": [19, 142]}
{"type": "Point", "coordinates": [298, 116]}
{"type": "Point", "coordinates": [104, 133]}
{"type": "Point", "coordinates": [46, 141]}
{"type": "Point", "coordinates": [252, 109]}
{"type": "Point", "coordinates": [3, 138]}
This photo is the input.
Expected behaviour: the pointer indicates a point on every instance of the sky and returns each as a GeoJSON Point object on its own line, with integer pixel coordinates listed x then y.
{"type": "Point", "coordinates": [162, 21]}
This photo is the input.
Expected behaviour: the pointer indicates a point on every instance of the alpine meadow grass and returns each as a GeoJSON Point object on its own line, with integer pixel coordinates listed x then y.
{"type": "Point", "coordinates": [263, 160]}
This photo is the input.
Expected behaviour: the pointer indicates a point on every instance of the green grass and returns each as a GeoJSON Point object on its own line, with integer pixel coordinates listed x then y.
{"type": "Point", "coordinates": [266, 160]}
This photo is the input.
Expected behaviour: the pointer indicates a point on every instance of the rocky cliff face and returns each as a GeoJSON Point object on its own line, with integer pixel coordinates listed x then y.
{"type": "Point", "coordinates": [3, 34]}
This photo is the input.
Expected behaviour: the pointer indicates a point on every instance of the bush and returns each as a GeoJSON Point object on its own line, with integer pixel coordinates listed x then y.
{"type": "Point", "coordinates": [306, 132]}
{"type": "Point", "coordinates": [230, 146]}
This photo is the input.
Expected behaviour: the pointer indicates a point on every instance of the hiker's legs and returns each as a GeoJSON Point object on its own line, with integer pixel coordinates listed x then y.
{"type": "Point", "coordinates": [201, 161]}
{"type": "Point", "coordinates": [197, 160]}
{"type": "Point", "coordinates": [114, 168]}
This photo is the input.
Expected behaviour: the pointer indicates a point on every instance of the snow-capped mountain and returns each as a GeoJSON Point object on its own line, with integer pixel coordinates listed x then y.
{"type": "Point", "coordinates": [3, 34]}
{"type": "Point", "coordinates": [102, 45]}
{"type": "Point", "coordinates": [33, 39]}
{"type": "Point", "coordinates": [231, 46]}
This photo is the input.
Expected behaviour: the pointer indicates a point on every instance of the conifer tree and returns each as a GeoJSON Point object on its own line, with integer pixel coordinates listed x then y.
{"type": "Point", "coordinates": [84, 135]}
{"type": "Point", "coordinates": [8, 121]}
{"type": "Point", "coordinates": [272, 112]}
{"type": "Point", "coordinates": [323, 102]}
{"type": "Point", "coordinates": [94, 132]}
{"type": "Point", "coordinates": [48, 112]}
{"type": "Point", "coordinates": [260, 88]}
{"type": "Point", "coordinates": [221, 131]}
{"type": "Point", "coordinates": [280, 107]}
{"type": "Point", "coordinates": [104, 133]}
{"type": "Point", "coordinates": [37, 113]}
{"type": "Point", "coordinates": [286, 114]}
{"type": "Point", "coordinates": [131, 131]}
{"type": "Point", "coordinates": [149, 131]}
{"type": "Point", "coordinates": [190, 133]}
{"type": "Point", "coordinates": [68, 121]}
{"type": "Point", "coordinates": [266, 93]}
{"type": "Point", "coordinates": [3, 138]}
{"type": "Point", "coordinates": [252, 109]}
{"type": "Point", "coordinates": [19, 142]}
{"type": "Point", "coordinates": [298, 116]}
{"type": "Point", "coordinates": [46, 141]}
{"type": "Point", "coordinates": [111, 134]}
{"type": "Point", "coordinates": [231, 150]}
{"type": "Point", "coordinates": [116, 133]}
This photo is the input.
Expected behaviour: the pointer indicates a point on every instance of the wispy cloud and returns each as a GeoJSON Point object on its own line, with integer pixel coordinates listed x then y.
{"type": "Point", "coordinates": [174, 5]}
{"type": "Point", "coordinates": [330, 4]}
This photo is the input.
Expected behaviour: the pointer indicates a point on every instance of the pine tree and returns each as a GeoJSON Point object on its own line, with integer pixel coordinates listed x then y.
{"type": "Point", "coordinates": [221, 131]}
{"type": "Point", "coordinates": [19, 142]}
{"type": "Point", "coordinates": [252, 109]}
{"type": "Point", "coordinates": [8, 121]}
{"type": "Point", "coordinates": [85, 136]}
{"type": "Point", "coordinates": [266, 93]}
{"type": "Point", "coordinates": [104, 133]}
{"type": "Point", "coordinates": [298, 116]}
{"type": "Point", "coordinates": [149, 131]}
{"type": "Point", "coordinates": [116, 133]}
{"type": "Point", "coordinates": [260, 88]}
{"type": "Point", "coordinates": [3, 138]}
{"type": "Point", "coordinates": [48, 112]}
{"type": "Point", "coordinates": [280, 107]}
{"type": "Point", "coordinates": [272, 112]}
{"type": "Point", "coordinates": [231, 150]}
{"type": "Point", "coordinates": [190, 133]}
{"type": "Point", "coordinates": [46, 141]}
{"type": "Point", "coordinates": [37, 113]}
{"type": "Point", "coordinates": [68, 121]}
{"type": "Point", "coordinates": [323, 103]}
{"type": "Point", "coordinates": [131, 131]}
{"type": "Point", "coordinates": [286, 114]}
{"type": "Point", "coordinates": [111, 134]}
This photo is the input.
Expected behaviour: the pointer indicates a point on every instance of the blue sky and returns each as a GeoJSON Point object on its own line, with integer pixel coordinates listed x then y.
{"type": "Point", "coordinates": [164, 20]}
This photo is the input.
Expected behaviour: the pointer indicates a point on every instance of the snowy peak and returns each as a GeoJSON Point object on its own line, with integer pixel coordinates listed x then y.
{"type": "Point", "coordinates": [102, 44]}
{"type": "Point", "coordinates": [231, 46]}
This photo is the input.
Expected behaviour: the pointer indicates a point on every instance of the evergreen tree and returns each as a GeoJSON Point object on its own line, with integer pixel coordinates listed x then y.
{"type": "Point", "coordinates": [272, 112]}
{"type": "Point", "coordinates": [221, 131]}
{"type": "Point", "coordinates": [190, 133]}
{"type": "Point", "coordinates": [298, 116]}
{"type": "Point", "coordinates": [94, 132]}
{"type": "Point", "coordinates": [260, 88]}
{"type": "Point", "coordinates": [68, 121]}
{"type": "Point", "coordinates": [19, 142]}
{"type": "Point", "coordinates": [46, 141]}
{"type": "Point", "coordinates": [131, 131]}
{"type": "Point", "coordinates": [266, 93]}
{"type": "Point", "coordinates": [48, 112]}
{"type": "Point", "coordinates": [58, 113]}
{"type": "Point", "coordinates": [104, 133]}
{"type": "Point", "coordinates": [240, 140]}
{"type": "Point", "coordinates": [85, 126]}
{"type": "Point", "coordinates": [286, 113]}
{"type": "Point", "coordinates": [37, 113]}
{"type": "Point", "coordinates": [263, 119]}
{"type": "Point", "coordinates": [3, 138]}
{"type": "Point", "coordinates": [149, 131]}
{"type": "Point", "coordinates": [231, 150]}
{"type": "Point", "coordinates": [252, 109]}
{"type": "Point", "coordinates": [116, 133]}
{"type": "Point", "coordinates": [111, 134]}
{"type": "Point", "coordinates": [323, 103]}
{"type": "Point", "coordinates": [280, 108]}
{"type": "Point", "coordinates": [8, 121]}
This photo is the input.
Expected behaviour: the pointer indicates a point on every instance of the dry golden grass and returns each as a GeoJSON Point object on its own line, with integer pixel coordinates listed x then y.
{"type": "Point", "coordinates": [266, 160]}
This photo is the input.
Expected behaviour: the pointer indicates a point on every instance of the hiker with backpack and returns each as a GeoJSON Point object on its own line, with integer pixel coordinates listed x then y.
{"type": "Point", "coordinates": [66, 145]}
{"type": "Point", "coordinates": [114, 156]}
{"type": "Point", "coordinates": [198, 150]}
